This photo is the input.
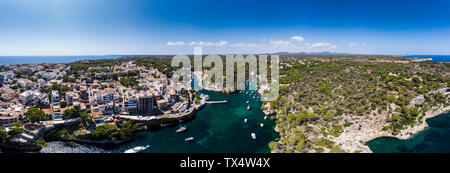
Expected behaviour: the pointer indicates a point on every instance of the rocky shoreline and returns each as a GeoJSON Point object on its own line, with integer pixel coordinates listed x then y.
{"type": "Point", "coordinates": [355, 140]}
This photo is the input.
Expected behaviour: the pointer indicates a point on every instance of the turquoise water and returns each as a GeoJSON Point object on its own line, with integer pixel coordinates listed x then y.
{"type": "Point", "coordinates": [435, 139]}
{"type": "Point", "coordinates": [218, 128]}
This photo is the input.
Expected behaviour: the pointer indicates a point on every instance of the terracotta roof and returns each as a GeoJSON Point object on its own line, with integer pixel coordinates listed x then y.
{"type": "Point", "coordinates": [47, 111]}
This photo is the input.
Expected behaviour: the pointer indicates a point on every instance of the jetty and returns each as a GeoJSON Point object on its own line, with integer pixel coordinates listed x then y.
{"type": "Point", "coordinates": [216, 102]}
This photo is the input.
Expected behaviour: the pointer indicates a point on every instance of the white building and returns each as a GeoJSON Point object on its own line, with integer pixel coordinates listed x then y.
{"type": "Point", "coordinates": [26, 97]}
{"type": "Point", "coordinates": [55, 97]}
{"type": "Point", "coordinates": [4, 76]}
{"type": "Point", "coordinates": [70, 97]}
{"type": "Point", "coordinates": [49, 75]}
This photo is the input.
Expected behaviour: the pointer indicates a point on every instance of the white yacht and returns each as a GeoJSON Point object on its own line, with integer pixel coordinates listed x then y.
{"type": "Point", "coordinates": [245, 120]}
{"type": "Point", "coordinates": [248, 107]}
{"type": "Point", "coordinates": [181, 129]}
{"type": "Point", "coordinates": [262, 125]}
{"type": "Point", "coordinates": [137, 149]}
{"type": "Point", "coordinates": [189, 139]}
{"type": "Point", "coordinates": [253, 135]}
{"type": "Point", "coordinates": [265, 117]}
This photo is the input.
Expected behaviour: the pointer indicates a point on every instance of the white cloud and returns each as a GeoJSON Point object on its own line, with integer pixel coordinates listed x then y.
{"type": "Point", "coordinates": [356, 44]}
{"type": "Point", "coordinates": [200, 43]}
{"type": "Point", "coordinates": [221, 43]}
{"type": "Point", "coordinates": [297, 38]}
{"type": "Point", "coordinates": [177, 43]}
{"type": "Point", "coordinates": [294, 44]}
{"type": "Point", "coordinates": [279, 42]}
{"type": "Point", "coordinates": [323, 45]}
{"type": "Point", "coordinates": [246, 45]}
{"type": "Point", "coordinates": [352, 44]}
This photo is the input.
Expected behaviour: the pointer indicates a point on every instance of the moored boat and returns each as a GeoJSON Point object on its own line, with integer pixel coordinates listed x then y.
{"type": "Point", "coordinates": [189, 139]}
{"type": "Point", "coordinates": [253, 135]}
{"type": "Point", "coordinates": [181, 129]}
{"type": "Point", "coordinates": [137, 149]}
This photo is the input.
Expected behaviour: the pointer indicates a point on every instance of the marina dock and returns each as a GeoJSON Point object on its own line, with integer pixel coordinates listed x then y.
{"type": "Point", "coordinates": [216, 102]}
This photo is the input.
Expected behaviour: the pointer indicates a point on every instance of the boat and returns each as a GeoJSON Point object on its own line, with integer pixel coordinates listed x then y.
{"type": "Point", "coordinates": [189, 139]}
{"type": "Point", "coordinates": [181, 129]}
{"type": "Point", "coordinates": [253, 135]}
{"type": "Point", "coordinates": [245, 120]}
{"type": "Point", "coordinates": [262, 125]}
{"type": "Point", "coordinates": [265, 117]}
{"type": "Point", "coordinates": [137, 149]}
{"type": "Point", "coordinates": [248, 107]}
{"type": "Point", "coordinates": [247, 102]}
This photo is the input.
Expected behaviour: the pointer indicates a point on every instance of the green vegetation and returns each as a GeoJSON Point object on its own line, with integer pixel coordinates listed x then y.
{"type": "Point", "coordinates": [124, 131]}
{"type": "Point", "coordinates": [4, 136]}
{"type": "Point", "coordinates": [35, 114]}
{"type": "Point", "coordinates": [71, 113]}
{"type": "Point", "coordinates": [323, 95]}
{"type": "Point", "coordinates": [40, 143]}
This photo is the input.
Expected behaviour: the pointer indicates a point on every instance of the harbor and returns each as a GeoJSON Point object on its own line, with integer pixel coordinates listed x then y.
{"type": "Point", "coordinates": [213, 131]}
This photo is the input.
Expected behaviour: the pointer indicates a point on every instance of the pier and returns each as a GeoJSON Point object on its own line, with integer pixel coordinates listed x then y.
{"type": "Point", "coordinates": [216, 102]}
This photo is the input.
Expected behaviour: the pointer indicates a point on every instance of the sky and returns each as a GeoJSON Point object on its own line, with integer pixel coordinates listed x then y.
{"type": "Point", "coordinates": [132, 27]}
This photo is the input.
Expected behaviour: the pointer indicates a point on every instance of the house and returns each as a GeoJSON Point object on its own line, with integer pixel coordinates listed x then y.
{"type": "Point", "coordinates": [7, 117]}
{"type": "Point", "coordinates": [163, 104]}
{"type": "Point", "coordinates": [26, 97]}
{"type": "Point", "coordinates": [48, 112]}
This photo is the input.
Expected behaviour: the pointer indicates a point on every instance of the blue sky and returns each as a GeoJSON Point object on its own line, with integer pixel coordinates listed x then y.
{"type": "Point", "coordinates": [102, 27]}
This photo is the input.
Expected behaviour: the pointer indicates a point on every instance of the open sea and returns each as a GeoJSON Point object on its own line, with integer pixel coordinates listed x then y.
{"type": "Point", "coordinates": [436, 58]}
{"type": "Point", "coordinates": [7, 60]}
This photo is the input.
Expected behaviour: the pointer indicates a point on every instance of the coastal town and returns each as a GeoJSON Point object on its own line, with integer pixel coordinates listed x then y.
{"type": "Point", "coordinates": [37, 98]}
